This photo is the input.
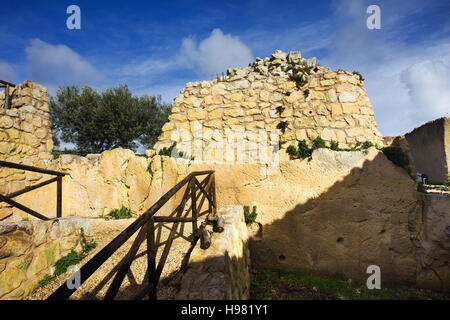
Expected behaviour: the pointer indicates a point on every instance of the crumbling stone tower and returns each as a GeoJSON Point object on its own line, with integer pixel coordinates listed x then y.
{"type": "Point", "coordinates": [296, 96]}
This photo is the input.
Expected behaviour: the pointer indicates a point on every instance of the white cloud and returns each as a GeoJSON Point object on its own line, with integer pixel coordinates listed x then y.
{"type": "Point", "coordinates": [428, 85]}
{"type": "Point", "coordinates": [55, 65]}
{"type": "Point", "coordinates": [406, 82]}
{"type": "Point", "coordinates": [7, 72]}
{"type": "Point", "coordinates": [214, 54]}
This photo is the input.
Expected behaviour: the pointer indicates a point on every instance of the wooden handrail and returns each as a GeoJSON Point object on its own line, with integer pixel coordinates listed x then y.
{"type": "Point", "coordinates": [57, 179]}
{"type": "Point", "coordinates": [30, 168]}
{"type": "Point", "coordinates": [146, 224]}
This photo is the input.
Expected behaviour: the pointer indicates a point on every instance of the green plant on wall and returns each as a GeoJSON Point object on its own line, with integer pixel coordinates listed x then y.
{"type": "Point", "coordinates": [334, 145]}
{"type": "Point", "coordinates": [280, 110]}
{"type": "Point", "coordinates": [303, 151]}
{"type": "Point", "coordinates": [282, 126]}
{"type": "Point", "coordinates": [250, 217]}
{"type": "Point", "coordinates": [122, 213]}
{"type": "Point", "coordinates": [72, 258]}
{"type": "Point", "coordinates": [173, 152]}
{"type": "Point", "coordinates": [421, 187]}
{"type": "Point", "coordinates": [358, 74]}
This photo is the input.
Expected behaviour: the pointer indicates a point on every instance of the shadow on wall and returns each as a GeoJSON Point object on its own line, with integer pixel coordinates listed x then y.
{"type": "Point", "coordinates": [364, 219]}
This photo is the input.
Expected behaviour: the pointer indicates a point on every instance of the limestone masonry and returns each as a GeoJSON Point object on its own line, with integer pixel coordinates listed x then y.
{"type": "Point", "coordinates": [25, 137]}
{"type": "Point", "coordinates": [28, 249]}
{"type": "Point", "coordinates": [311, 99]}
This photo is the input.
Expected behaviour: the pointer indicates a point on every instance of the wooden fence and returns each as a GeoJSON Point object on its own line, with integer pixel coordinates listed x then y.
{"type": "Point", "coordinates": [145, 226]}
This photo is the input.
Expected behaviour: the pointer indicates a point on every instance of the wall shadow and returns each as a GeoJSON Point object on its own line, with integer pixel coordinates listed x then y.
{"type": "Point", "coordinates": [367, 218]}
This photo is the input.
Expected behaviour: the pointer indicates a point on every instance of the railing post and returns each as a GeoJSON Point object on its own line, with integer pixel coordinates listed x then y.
{"type": "Point", "coordinates": [213, 189]}
{"type": "Point", "coordinates": [194, 210]}
{"type": "Point", "coordinates": [7, 101]}
{"type": "Point", "coordinates": [59, 197]}
{"type": "Point", "coordinates": [210, 207]}
{"type": "Point", "coordinates": [151, 259]}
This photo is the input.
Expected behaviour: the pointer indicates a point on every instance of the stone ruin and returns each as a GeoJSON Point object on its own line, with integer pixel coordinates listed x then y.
{"type": "Point", "coordinates": [341, 211]}
{"type": "Point", "coordinates": [285, 91]}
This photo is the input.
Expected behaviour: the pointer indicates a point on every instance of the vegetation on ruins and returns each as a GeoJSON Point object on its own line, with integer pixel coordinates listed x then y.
{"type": "Point", "coordinates": [114, 118]}
{"type": "Point", "coordinates": [56, 153]}
{"type": "Point", "coordinates": [282, 126]}
{"type": "Point", "coordinates": [358, 74]}
{"type": "Point", "coordinates": [421, 187]}
{"type": "Point", "coordinates": [303, 151]}
{"type": "Point", "coordinates": [276, 284]}
{"type": "Point", "coordinates": [250, 217]}
{"type": "Point", "coordinates": [122, 213]}
{"type": "Point", "coordinates": [70, 259]}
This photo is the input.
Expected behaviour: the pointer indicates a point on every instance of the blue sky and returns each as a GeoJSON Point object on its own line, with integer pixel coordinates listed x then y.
{"type": "Point", "coordinates": [156, 47]}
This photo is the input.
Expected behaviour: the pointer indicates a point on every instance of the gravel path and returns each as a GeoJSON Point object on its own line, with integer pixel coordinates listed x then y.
{"type": "Point", "coordinates": [97, 285]}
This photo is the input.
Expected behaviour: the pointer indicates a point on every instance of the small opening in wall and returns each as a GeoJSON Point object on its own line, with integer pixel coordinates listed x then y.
{"type": "Point", "coordinates": [382, 231]}
{"type": "Point", "coordinates": [310, 112]}
{"type": "Point", "coordinates": [281, 257]}
{"type": "Point", "coordinates": [340, 240]}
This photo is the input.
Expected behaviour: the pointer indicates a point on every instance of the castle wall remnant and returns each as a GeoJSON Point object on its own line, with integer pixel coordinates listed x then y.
{"type": "Point", "coordinates": [308, 100]}
{"type": "Point", "coordinates": [25, 137]}
{"type": "Point", "coordinates": [430, 148]}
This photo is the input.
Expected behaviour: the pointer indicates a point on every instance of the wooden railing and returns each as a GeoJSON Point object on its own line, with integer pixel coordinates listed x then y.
{"type": "Point", "coordinates": [7, 85]}
{"type": "Point", "coordinates": [145, 224]}
{"type": "Point", "coordinates": [8, 198]}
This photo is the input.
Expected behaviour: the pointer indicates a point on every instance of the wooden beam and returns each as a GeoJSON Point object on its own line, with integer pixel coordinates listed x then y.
{"type": "Point", "coordinates": [194, 210]}
{"type": "Point", "coordinates": [30, 168]}
{"type": "Point", "coordinates": [151, 260]}
{"type": "Point", "coordinates": [30, 188]}
{"type": "Point", "coordinates": [63, 292]}
{"type": "Point", "coordinates": [22, 207]}
{"type": "Point", "coordinates": [204, 192]}
{"type": "Point", "coordinates": [165, 253]}
{"type": "Point", "coordinates": [172, 219]}
{"type": "Point", "coordinates": [7, 83]}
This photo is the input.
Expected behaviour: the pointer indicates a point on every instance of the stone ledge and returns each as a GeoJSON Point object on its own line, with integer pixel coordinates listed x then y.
{"type": "Point", "coordinates": [222, 271]}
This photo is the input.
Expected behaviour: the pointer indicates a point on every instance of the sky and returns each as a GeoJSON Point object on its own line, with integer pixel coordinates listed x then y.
{"type": "Point", "coordinates": [156, 47]}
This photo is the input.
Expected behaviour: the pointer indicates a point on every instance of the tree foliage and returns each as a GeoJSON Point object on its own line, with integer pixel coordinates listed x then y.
{"type": "Point", "coordinates": [114, 118]}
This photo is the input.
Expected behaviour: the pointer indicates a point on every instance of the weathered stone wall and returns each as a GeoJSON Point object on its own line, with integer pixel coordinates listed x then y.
{"type": "Point", "coordinates": [25, 137]}
{"type": "Point", "coordinates": [222, 271]}
{"type": "Point", "coordinates": [96, 184]}
{"type": "Point", "coordinates": [432, 240]}
{"type": "Point", "coordinates": [29, 249]}
{"type": "Point", "coordinates": [430, 147]}
{"type": "Point", "coordinates": [321, 102]}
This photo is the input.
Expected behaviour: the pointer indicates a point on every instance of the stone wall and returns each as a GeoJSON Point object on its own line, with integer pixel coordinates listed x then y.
{"type": "Point", "coordinates": [29, 249]}
{"type": "Point", "coordinates": [96, 184]}
{"type": "Point", "coordinates": [311, 99]}
{"type": "Point", "coordinates": [430, 147]}
{"type": "Point", "coordinates": [432, 241]}
{"type": "Point", "coordinates": [25, 137]}
{"type": "Point", "coordinates": [222, 271]}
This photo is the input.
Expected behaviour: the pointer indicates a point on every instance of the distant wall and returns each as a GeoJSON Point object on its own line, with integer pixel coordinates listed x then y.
{"type": "Point", "coordinates": [432, 241]}
{"type": "Point", "coordinates": [430, 148]}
